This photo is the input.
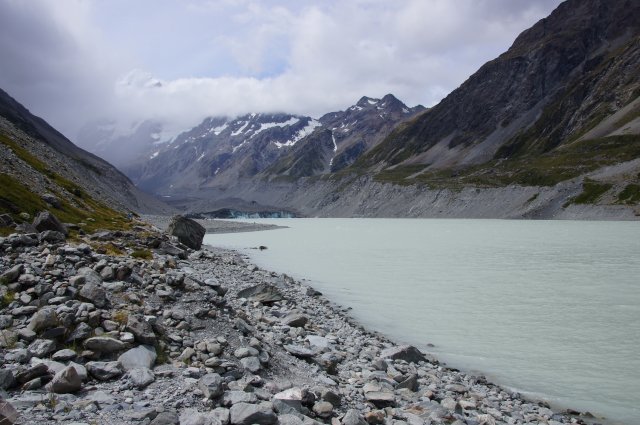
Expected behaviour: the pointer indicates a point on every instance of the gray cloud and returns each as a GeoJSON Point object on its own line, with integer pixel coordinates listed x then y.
{"type": "Point", "coordinates": [73, 61]}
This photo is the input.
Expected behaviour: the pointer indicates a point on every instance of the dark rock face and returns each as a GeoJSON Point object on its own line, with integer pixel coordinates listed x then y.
{"type": "Point", "coordinates": [404, 352]}
{"type": "Point", "coordinates": [188, 232]}
{"type": "Point", "coordinates": [47, 221]}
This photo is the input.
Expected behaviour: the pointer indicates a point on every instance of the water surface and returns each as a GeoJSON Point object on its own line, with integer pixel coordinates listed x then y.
{"type": "Point", "coordinates": [548, 308]}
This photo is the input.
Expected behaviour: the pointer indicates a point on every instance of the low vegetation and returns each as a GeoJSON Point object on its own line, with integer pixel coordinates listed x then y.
{"type": "Point", "coordinates": [592, 191]}
{"type": "Point", "coordinates": [630, 195]}
{"type": "Point", "coordinates": [143, 254]}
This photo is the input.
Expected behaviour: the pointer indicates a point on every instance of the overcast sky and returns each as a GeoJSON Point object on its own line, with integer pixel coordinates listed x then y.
{"type": "Point", "coordinates": [74, 61]}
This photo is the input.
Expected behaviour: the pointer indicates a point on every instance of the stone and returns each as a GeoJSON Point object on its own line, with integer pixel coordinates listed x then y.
{"type": "Point", "coordinates": [7, 379]}
{"type": "Point", "coordinates": [107, 274]}
{"type": "Point", "coordinates": [407, 353]}
{"type": "Point", "coordinates": [193, 417]}
{"type": "Point", "coordinates": [263, 293]}
{"type": "Point", "coordinates": [82, 331]}
{"type": "Point", "coordinates": [375, 417]}
{"type": "Point", "coordinates": [456, 388]}
{"type": "Point", "coordinates": [323, 409]}
{"type": "Point", "coordinates": [141, 377]}
{"type": "Point", "coordinates": [411, 383]}
{"type": "Point", "coordinates": [6, 321]}
{"type": "Point", "coordinates": [381, 398]}
{"type": "Point", "coordinates": [142, 356]}
{"type": "Point", "coordinates": [32, 373]}
{"type": "Point", "coordinates": [295, 320]}
{"type": "Point", "coordinates": [13, 273]}
{"type": "Point", "coordinates": [141, 329]}
{"type": "Point", "coordinates": [8, 414]}
{"type": "Point", "coordinates": [331, 396]}
{"type": "Point", "coordinates": [42, 347]}
{"type": "Point", "coordinates": [353, 417]}
{"type": "Point", "coordinates": [289, 419]}
{"type": "Point", "coordinates": [65, 381]}
{"type": "Point", "coordinates": [252, 364]}
{"type": "Point", "coordinates": [104, 344]}
{"type": "Point", "coordinates": [243, 352]}
{"type": "Point", "coordinates": [47, 221]}
{"type": "Point", "coordinates": [100, 397]}
{"type": "Point", "coordinates": [81, 370]}
{"type": "Point", "coordinates": [8, 338]}
{"type": "Point", "coordinates": [247, 414]}
{"type": "Point", "coordinates": [211, 385]}
{"type": "Point", "coordinates": [51, 236]}
{"type": "Point", "coordinates": [299, 351]}
{"type": "Point", "coordinates": [104, 371]}
{"type": "Point", "coordinates": [92, 290]}
{"type": "Point", "coordinates": [229, 398]}
{"type": "Point", "coordinates": [64, 355]}
{"type": "Point", "coordinates": [44, 318]}
{"type": "Point", "coordinates": [165, 418]}
{"type": "Point", "coordinates": [189, 232]}
{"type": "Point", "coordinates": [51, 200]}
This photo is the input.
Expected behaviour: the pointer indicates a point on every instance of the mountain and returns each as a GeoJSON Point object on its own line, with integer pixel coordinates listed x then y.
{"type": "Point", "coordinates": [42, 169]}
{"type": "Point", "coordinates": [222, 151]}
{"type": "Point", "coordinates": [119, 146]}
{"type": "Point", "coordinates": [344, 137]}
{"type": "Point", "coordinates": [561, 101]}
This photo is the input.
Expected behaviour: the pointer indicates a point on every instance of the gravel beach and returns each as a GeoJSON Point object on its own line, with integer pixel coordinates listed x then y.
{"type": "Point", "coordinates": [132, 327]}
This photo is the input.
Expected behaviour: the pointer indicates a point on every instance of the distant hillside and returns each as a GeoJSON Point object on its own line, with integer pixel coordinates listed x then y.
{"type": "Point", "coordinates": [41, 169]}
{"type": "Point", "coordinates": [562, 101]}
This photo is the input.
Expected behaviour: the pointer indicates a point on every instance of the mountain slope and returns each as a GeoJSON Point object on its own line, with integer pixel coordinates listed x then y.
{"type": "Point", "coordinates": [40, 168]}
{"type": "Point", "coordinates": [560, 79]}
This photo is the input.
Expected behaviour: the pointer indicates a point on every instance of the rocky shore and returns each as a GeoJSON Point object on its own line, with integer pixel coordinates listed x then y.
{"type": "Point", "coordinates": [214, 225]}
{"type": "Point", "coordinates": [132, 327]}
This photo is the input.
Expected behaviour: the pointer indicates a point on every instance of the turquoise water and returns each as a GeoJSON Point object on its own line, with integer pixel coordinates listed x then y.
{"type": "Point", "coordinates": [548, 308]}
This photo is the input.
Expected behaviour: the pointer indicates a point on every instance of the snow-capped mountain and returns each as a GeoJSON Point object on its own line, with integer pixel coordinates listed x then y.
{"type": "Point", "coordinates": [345, 136]}
{"type": "Point", "coordinates": [219, 151]}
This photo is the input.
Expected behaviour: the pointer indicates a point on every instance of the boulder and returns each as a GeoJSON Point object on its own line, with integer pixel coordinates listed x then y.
{"type": "Point", "coordinates": [353, 417]}
{"type": "Point", "coordinates": [247, 414]}
{"type": "Point", "coordinates": [141, 377]}
{"type": "Point", "coordinates": [13, 273]}
{"type": "Point", "coordinates": [211, 385]}
{"type": "Point", "coordinates": [104, 344]}
{"type": "Point", "coordinates": [82, 331]}
{"type": "Point", "coordinates": [295, 320]}
{"type": "Point", "coordinates": [229, 398]}
{"type": "Point", "coordinates": [51, 200]}
{"type": "Point", "coordinates": [165, 418]}
{"type": "Point", "coordinates": [64, 355]}
{"type": "Point", "coordinates": [32, 373]}
{"type": "Point", "coordinates": [47, 221]}
{"type": "Point", "coordinates": [407, 353]}
{"type": "Point", "coordinates": [188, 232]}
{"type": "Point", "coordinates": [44, 318]}
{"type": "Point", "coordinates": [299, 351]}
{"type": "Point", "coordinates": [141, 329]}
{"type": "Point", "coordinates": [103, 371]}
{"type": "Point", "coordinates": [41, 347]}
{"type": "Point", "coordinates": [8, 414]}
{"type": "Point", "coordinates": [7, 379]}
{"type": "Point", "coordinates": [92, 290]}
{"type": "Point", "coordinates": [252, 364]}
{"type": "Point", "coordinates": [66, 381]}
{"type": "Point", "coordinates": [191, 416]}
{"type": "Point", "coordinates": [139, 357]}
{"type": "Point", "coordinates": [51, 236]}
{"type": "Point", "coordinates": [263, 293]}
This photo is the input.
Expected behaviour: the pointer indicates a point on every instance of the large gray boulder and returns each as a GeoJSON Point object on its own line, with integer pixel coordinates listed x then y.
{"type": "Point", "coordinates": [47, 221]}
{"type": "Point", "coordinates": [211, 385]}
{"type": "Point", "coordinates": [188, 232]}
{"type": "Point", "coordinates": [66, 381]}
{"type": "Point", "coordinates": [44, 318]}
{"type": "Point", "coordinates": [104, 344]}
{"type": "Point", "coordinates": [141, 329]}
{"type": "Point", "coordinates": [262, 293]}
{"type": "Point", "coordinates": [407, 353]}
{"type": "Point", "coordinates": [103, 371]}
{"type": "Point", "coordinates": [139, 357]}
{"type": "Point", "coordinates": [92, 290]}
{"type": "Point", "coordinates": [247, 414]}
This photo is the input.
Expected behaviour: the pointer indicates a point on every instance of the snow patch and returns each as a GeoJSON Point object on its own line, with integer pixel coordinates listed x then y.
{"type": "Point", "coordinates": [241, 129]}
{"type": "Point", "coordinates": [372, 101]}
{"type": "Point", "coordinates": [200, 157]}
{"type": "Point", "coordinates": [335, 149]}
{"type": "Point", "coordinates": [154, 154]}
{"type": "Point", "coordinates": [239, 146]}
{"type": "Point", "coordinates": [304, 132]}
{"type": "Point", "coordinates": [264, 126]}
{"type": "Point", "coordinates": [219, 129]}
{"type": "Point", "coordinates": [405, 110]}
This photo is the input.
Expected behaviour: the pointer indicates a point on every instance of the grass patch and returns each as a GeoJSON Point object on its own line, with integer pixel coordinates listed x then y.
{"type": "Point", "coordinates": [630, 195]}
{"type": "Point", "coordinates": [143, 254]}
{"type": "Point", "coordinates": [560, 164]}
{"type": "Point", "coordinates": [121, 317]}
{"type": "Point", "coordinates": [7, 298]}
{"type": "Point", "coordinates": [6, 231]}
{"type": "Point", "coordinates": [592, 191]}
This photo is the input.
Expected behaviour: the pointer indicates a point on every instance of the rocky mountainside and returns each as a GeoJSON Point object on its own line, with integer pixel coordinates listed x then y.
{"type": "Point", "coordinates": [567, 87]}
{"type": "Point", "coordinates": [222, 151]}
{"type": "Point", "coordinates": [42, 169]}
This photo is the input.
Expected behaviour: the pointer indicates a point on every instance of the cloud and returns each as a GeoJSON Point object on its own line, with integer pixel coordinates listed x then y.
{"type": "Point", "coordinates": [74, 61]}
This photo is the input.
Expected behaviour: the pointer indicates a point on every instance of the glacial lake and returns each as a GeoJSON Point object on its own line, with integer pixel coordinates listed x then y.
{"type": "Point", "coordinates": [550, 309]}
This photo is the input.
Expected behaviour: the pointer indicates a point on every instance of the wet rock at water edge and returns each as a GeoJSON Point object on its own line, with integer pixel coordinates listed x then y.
{"type": "Point", "coordinates": [188, 232]}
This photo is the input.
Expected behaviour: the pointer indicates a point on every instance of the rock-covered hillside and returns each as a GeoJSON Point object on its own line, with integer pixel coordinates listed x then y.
{"type": "Point", "coordinates": [561, 101]}
{"type": "Point", "coordinates": [42, 169]}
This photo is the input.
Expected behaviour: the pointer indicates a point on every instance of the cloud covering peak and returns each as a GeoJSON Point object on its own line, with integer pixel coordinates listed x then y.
{"type": "Point", "coordinates": [179, 61]}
